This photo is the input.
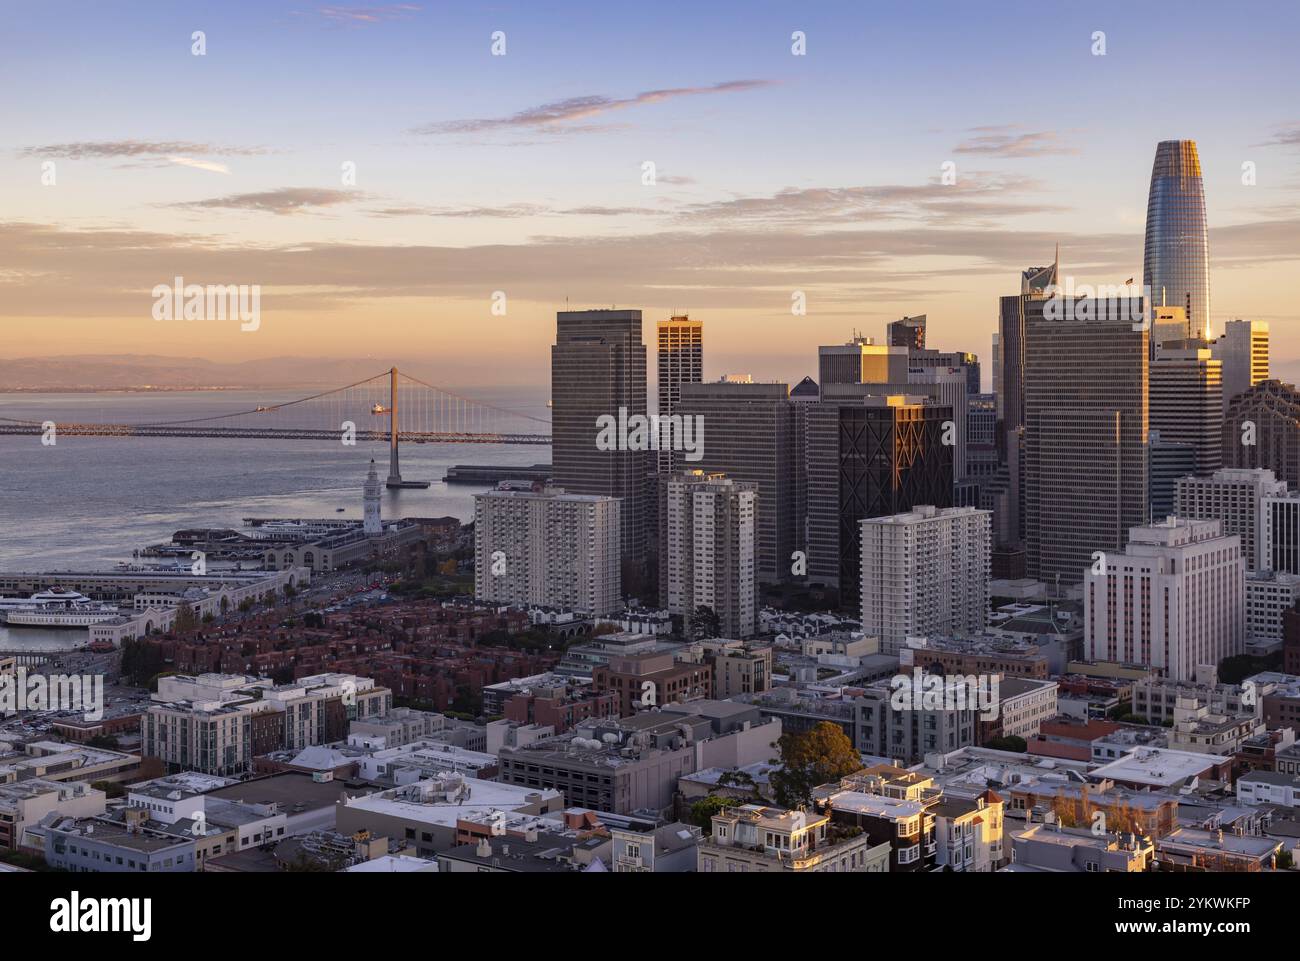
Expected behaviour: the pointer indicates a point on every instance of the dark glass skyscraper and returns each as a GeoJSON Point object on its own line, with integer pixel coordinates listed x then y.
{"type": "Point", "coordinates": [1176, 265]}
{"type": "Point", "coordinates": [598, 367]}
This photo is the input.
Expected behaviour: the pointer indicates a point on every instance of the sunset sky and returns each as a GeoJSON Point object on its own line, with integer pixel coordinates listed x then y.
{"type": "Point", "coordinates": [523, 173]}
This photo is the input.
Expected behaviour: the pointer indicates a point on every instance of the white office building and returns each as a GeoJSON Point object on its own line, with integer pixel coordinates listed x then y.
{"type": "Point", "coordinates": [706, 549]}
{"type": "Point", "coordinates": [547, 547]}
{"type": "Point", "coordinates": [1175, 599]}
{"type": "Point", "coordinates": [1268, 595]}
{"type": "Point", "coordinates": [925, 572]}
{"type": "Point", "coordinates": [1234, 496]}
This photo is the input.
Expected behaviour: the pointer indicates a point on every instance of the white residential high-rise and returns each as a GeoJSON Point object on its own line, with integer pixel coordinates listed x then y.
{"type": "Point", "coordinates": [1234, 496]}
{"type": "Point", "coordinates": [549, 548]}
{"type": "Point", "coordinates": [706, 555]}
{"type": "Point", "coordinates": [1174, 600]}
{"type": "Point", "coordinates": [373, 523]}
{"type": "Point", "coordinates": [925, 572]}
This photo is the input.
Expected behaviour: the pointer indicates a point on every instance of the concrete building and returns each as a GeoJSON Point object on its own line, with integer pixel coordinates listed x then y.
{"type": "Point", "coordinates": [671, 849]}
{"type": "Point", "coordinates": [908, 332]}
{"type": "Point", "coordinates": [753, 837]}
{"type": "Point", "coordinates": [632, 764]}
{"type": "Point", "coordinates": [752, 437]}
{"type": "Point", "coordinates": [1085, 431]}
{"type": "Point", "coordinates": [862, 361]}
{"type": "Point", "coordinates": [1280, 532]}
{"type": "Point", "coordinates": [1260, 430]}
{"type": "Point", "coordinates": [680, 356]}
{"type": "Point", "coordinates": [598, 368]}
{"type": "Point", "coordinates": [886, 727]}
{"type": "Point", "coordinates": [1269, 595]}
{"type": "Point", "coordinates": [707, 549]}
{"type": "Point", "coordinates": [869, 455]}
{"type": "Point", "coordinates": [1235, 497]}
{"type": "Point", "coordinates": [1243, 351]}
{"type": "Point", "coordinates": [548, 547]}
{"type": "Point", "coordinates": [1167, 463]}
{"type": "Point", "coordinates": [25, 803]}
{"type": "Point", "coordinates": [101, 846]}
{"type": "Point", "coordinates": [1174, 601]}
{"type": "Point", "coordinates": [925, 572]}
{"type": "Point", "coordinates": [1049, 847]}
{"type": "Point", "coordinates": [426, 815]}
{"type": "Point", "coordinates": [1186, 404]}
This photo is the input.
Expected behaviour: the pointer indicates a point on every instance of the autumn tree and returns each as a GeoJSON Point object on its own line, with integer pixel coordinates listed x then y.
{"type": "Point", "coordinates": [817, 756]}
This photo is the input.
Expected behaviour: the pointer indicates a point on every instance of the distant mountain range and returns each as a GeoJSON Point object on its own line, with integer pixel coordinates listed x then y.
{"type": "Point", "coordinates": [144, 371]}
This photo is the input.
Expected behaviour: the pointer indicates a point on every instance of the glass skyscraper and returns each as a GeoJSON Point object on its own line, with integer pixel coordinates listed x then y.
{"type": "Point", "coordinates": [1176, 265]}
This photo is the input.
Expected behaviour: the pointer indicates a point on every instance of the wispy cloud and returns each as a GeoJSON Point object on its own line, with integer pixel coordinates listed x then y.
{"type": "Point", "coordinates": [1009, 141]}
{"type": "Point", "coordinates": [363, 16]}
{"type": "Point", "coordinates": [561, 115]}
{"type": "Point", "coordinates": [1288, 135]}
{"type": "Point", "coordinates": [283, 200]}
{"type": "Point", "coordinates": [209, 165]}
{"type": "Point", "coordinates": [977, 198]}
{"type": "Point", "coordinates": [508, 211]}
{"type": "Point", "coordinates": [115, 149]}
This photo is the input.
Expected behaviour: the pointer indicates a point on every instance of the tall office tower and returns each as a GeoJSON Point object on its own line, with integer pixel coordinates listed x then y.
{"type": "Point", "coordinates": [598, 368]}
{"type": "Point", "coordinates": [1280, 538]}
{"type": "Point", "coordinates": [1186, 404]}
{"type": "Point", "coordinates": [1167, 462]}
{"type": "Point", "coordinates": [997, 372]}
{"type": "Point", "coordinates": [869, 455]}
{"type": "Point", "coordinates": [908, 332]}
{"type": "Point", "coordinates": [968, 363]}
{"type": "Point", "coordinates": [1235, 498]}
{"type": "Point", "coordinates": [1035, 282]}
{"type": "Point", "coordinates": [1085, 471]}
{"type": "Point", "coordinates": [925, 572]}
{"type": "Point", "coordinates": [1174, 600]}
{"type": "Point", "coordinates": [681, 361]}
{"type": "Point", "coordinates": [981, 436]}
{"type": "Point", "coordinates": [802, 395]}
{"type": "Point", "coordinates": [862, 361]}
{"type": "Point", "coordinates": [1176, 263]}
{"type": "Point", "coordinates": [1261, 428]}
{"type": "Point", "coordinates": [1243, 349]}
{"type": "Point", "coordinates": [706, 532]}
{"type": "Point", "coordinates": [547, 547]}
{"type": "Point", "coordinates": [750, 436]}
{"type": "Point", "coordinates": [949, 387]}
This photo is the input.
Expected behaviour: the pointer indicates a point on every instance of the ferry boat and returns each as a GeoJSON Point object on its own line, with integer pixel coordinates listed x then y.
{"type": "Point", "coordinates": [55, 608]}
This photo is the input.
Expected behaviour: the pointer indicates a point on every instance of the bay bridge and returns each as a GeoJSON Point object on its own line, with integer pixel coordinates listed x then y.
{"type": "Point", "coordinates": [390, 405]}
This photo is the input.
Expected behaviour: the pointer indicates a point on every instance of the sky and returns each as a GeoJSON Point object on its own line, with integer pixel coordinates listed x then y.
{"type": "Point", "coordinates": [515, 180]}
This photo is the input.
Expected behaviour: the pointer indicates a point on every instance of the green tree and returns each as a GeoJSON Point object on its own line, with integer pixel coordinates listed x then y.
{"type": "Point", "coordinates": [702, 811]}
{"type": "Point", "coordinates": [705, 623]}
{"type": "Point", "coordinates": [818, 756]}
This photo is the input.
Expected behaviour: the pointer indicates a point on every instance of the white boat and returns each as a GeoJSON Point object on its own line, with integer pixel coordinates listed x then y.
{"type": "Point", "coordinates": [55, 608]}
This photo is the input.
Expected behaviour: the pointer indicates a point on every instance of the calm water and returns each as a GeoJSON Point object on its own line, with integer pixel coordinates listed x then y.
{"type": "Point", "coordinates": [88, 502]}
